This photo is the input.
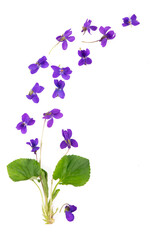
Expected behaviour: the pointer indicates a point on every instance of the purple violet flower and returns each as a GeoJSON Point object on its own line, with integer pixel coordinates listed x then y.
{"type": "Point", "coordinates": [26, 121]}
{"type": "Point", "coordinates": [84, 57]}
{"type": "Point", "coordinates": [87, 27]}
{"type": "Point", "coordinates": [55, 113]}
{"type": "Point", "coordinates": [64, 72]}
{"type": "Point", "coordinates": [68, 212]}
{"type": "Point", "coordinates": [33, 93]}
{"type": "Point", "coordinates": [42, 62]}
{"type": "Point", "coordinates": [59, 92]}
{"type": "Point", "coordinates": [68, 142]}
{"type": "Point", "coordinates": [64, 37]}
{"type": "Point", "coordinates": [107, 35]}
{"type": "Point", "coordinates": [130, 21]}
{"type": "Point", "coordinates": [33, 143]}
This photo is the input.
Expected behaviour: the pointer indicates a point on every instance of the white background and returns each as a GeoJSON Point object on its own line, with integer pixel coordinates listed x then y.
{"type": "Point", "coordinates": [108, 106]}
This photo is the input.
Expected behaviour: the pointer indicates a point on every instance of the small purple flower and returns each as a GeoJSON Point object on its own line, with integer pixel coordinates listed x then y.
{"type": "Point", "coordinates": [87, 27]}
{"type": "Point", "coordinates": [59, 92]}
{"type": "Point", "coordinates": [33, 93]}
{"type": "Point", "coordinates": [107, 35]}
{"type": "Point", "coordinates": [68, 212]}
{"type": "Point", "coordinates": [68, 142]}
{"type": "Point", "coordinates": [64, 72]}
{"type": "Point", "coordinates": [26, 120]}
{"type": "Point", "coordinates": [130, 21]}
{"type": "Point", "coordinates": [66, 36]}
{"type": "Point", "coordinates": [42, 62]}
{"type": "Point", "coordinates": [55, 113]}
{"type": "Point", "coordinates": [33, 143]}
{"type": "Point", "coordinates": [84, 57]}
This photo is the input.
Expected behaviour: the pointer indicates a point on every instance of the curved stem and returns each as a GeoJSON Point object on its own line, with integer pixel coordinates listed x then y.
{"type": "Point", "coordinates": [40, 192]}
{"type": "Point", "coordinates": [67, 151]}
{"type": "Point", "coordinates": [54, 47]}
{"type": "Point", "coordinates": [91, 42]}
{"type": "Point", "coordinates": [42, 141]}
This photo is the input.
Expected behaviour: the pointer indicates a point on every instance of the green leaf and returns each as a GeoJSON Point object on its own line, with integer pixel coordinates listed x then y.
{"type": "Point", "coordinates": [72, 169]}
{"type": "Point", "coordinates": [44, 180]}
{"type": "Point", "coordinates": [23, 169]}
{"type": "Point", "coordinates": [54, 194]}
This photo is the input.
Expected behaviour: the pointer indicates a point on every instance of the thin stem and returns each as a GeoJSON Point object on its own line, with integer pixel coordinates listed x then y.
{"type": "Point", "coordinates": [36, 157]}
{"type": "Point", "coordinates": [91, 42]}
{"type": "Point", "coordinates": [63, 206]}
{"type": "Point", "coordinates": [54, 47]}
{"type": "Point", "coordinates": [40, 192]}
{"type": "Point", "coordinates": [42, 141]}
{"type": "Point", "coordinates": [67, 151]}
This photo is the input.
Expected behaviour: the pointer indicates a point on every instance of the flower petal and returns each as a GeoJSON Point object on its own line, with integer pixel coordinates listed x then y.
{"type": "Point", "coordinates": [35, 98]}
{"type": "Point", "coordinates": [23, 129]}
{"type": "Point", "coordinates": [74, 143]}
{"type": "Point", "coordinates": [31, 122]}
{"type": "Point", "coordinates": [33, 68]}
{"type": "Point", "coordinates": [50, 123]}
{"type": "Point", "coordinates": [88, 61]}
{"type": "Point", "coordinates": [69, 216]}
{"type": "Point", "coordinates": [63, 145]}
{"type": "Point", "coordinates": [25, 118]}
{"type": "Point", "coordinates": [64, 45]}
{"type": "Point", "coordinates": [81, 62]}
{"type": "Point", "coordinates": [104, 42]}
{"type": "Point", "coordinates": [71, 38]}
{"type": "Point", "coordinates": [55, 94]}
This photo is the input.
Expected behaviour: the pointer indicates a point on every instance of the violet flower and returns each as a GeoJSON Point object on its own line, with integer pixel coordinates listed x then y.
{"type": "Point", "coordinates": [33, 93]}
{"type": "Point", "coordinates": [130, 21]}
{"type": "Point", "coordinates": [64, 72]}
{"type": "Point", "coordinates": [65, 37]}
{"type": "Point", "coordinates": [26, 121]}
{"type": "Point", "coordinates": [68, 212]}
{"type": "Point", "coordinates": [107, 35]}
{"type": "Point", "coordinates": [84, 57]}
{"type": "Point", "coordinates": [87, 27]}
{"type": "Point", "coordinates": [55, 113]}
{"type": "Point", "coordinates": [33, 143]}
{"type": "Point", "coordinates": [68, 142]}
{"type": "Point", "coordinates": [42, 62]}
{"type": "Point", "coordinates": [59, 92]}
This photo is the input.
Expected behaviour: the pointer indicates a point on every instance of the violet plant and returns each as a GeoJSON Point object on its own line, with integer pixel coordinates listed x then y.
{"type": "Point", "coordinates": [71, 169]}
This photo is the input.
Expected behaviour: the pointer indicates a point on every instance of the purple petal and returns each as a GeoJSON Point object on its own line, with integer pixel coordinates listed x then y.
{"type": "Point", "coordinates": [44, 65]}
{"type": "Point", "coordinates": [24, 129]}
{"type": "Point", "coordinates": [35, 98]}
{"type": "Point", "coordinates": [135, 22]}
{"type": "Point", "coordinates": [29, 96]}
{"type": "Point", "coordinates": [63, 145]}
{"type": "Point", "coordinates": [69, 131]}
{"type": "Point", "coordinates": [110, 35]}
{"type": "Point", "coordinates": [25, 118]}
{"type": "Point", "coordinates": [55, 94]}
{"type": "Point", "coordinates": [31, 122]}
{"type": "Point", "coordinates": [87, 52]}
{"type": "Point", "coordinates": [42, 60]}
{"type": "Point", "coordinates": [19, 125]}
{"type": "Point", "coordinates": [71, 38]}
{"type": "Point", "coordinates": [33, 68]}
{"type": "Point", "coordinates": [102, 30]}
{"type": "Point", "coordinates": [104, 42]}
{"type": "Point", "coordinates": [34, 149]}
{"type": "Point", "coordinates": [68, 32]}
{"type": "Point", "coordinates": [133, 17]}
{"type": "Point", "coordinates": [64, 45]}
{"type": "Point", "coordinates": [81, 62]}
{"type": "Point", "coordinates": [88, 60]}
{"type": "Point", "coordinates": [69, 216]}
{"type": "Point", "coordinates": [72, 208]}
{"type": "Point", "coordinates": [74, 143]}
{"type": "Point", "coordinates": [94, 28]}
{"type": "Point", "coordinates": [56, 82]}
{"type": "Point", "coordinates": [61, 93]}
{"type": "Point", "coordinates": [59, 38]}
{"type": "Point", "coordinates": [59, 115]}
{"type": "Point", "coordinates": [79, 53]}
{"type": "Point", "coordinates": [50, 122]}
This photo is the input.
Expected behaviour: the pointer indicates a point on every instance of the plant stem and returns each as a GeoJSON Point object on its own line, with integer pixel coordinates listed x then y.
{"type": "Point", "coordinates": [40, 192]}
{"type": "Point", "coordinates": [91, 42]}
{"type": "Point", "coordinates": [54, 47]}
{"type": "Point", "coordinates": [42, 141]}
{"type": "Point", "coordinates": [67, 151]}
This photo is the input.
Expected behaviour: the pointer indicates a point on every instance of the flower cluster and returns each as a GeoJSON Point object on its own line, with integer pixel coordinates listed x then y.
{"type": "Point", "coordinates": [63, 72]}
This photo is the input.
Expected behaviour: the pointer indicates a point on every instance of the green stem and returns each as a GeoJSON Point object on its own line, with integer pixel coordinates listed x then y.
{"type": "Point", "coordinates": [55, 186]}
{"type": "Point", "coordinates": [42, 141]}
{"type": "Point", "coordinates": [40, 192]}
{"type": "Point", "coordinates": [54, 47]}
